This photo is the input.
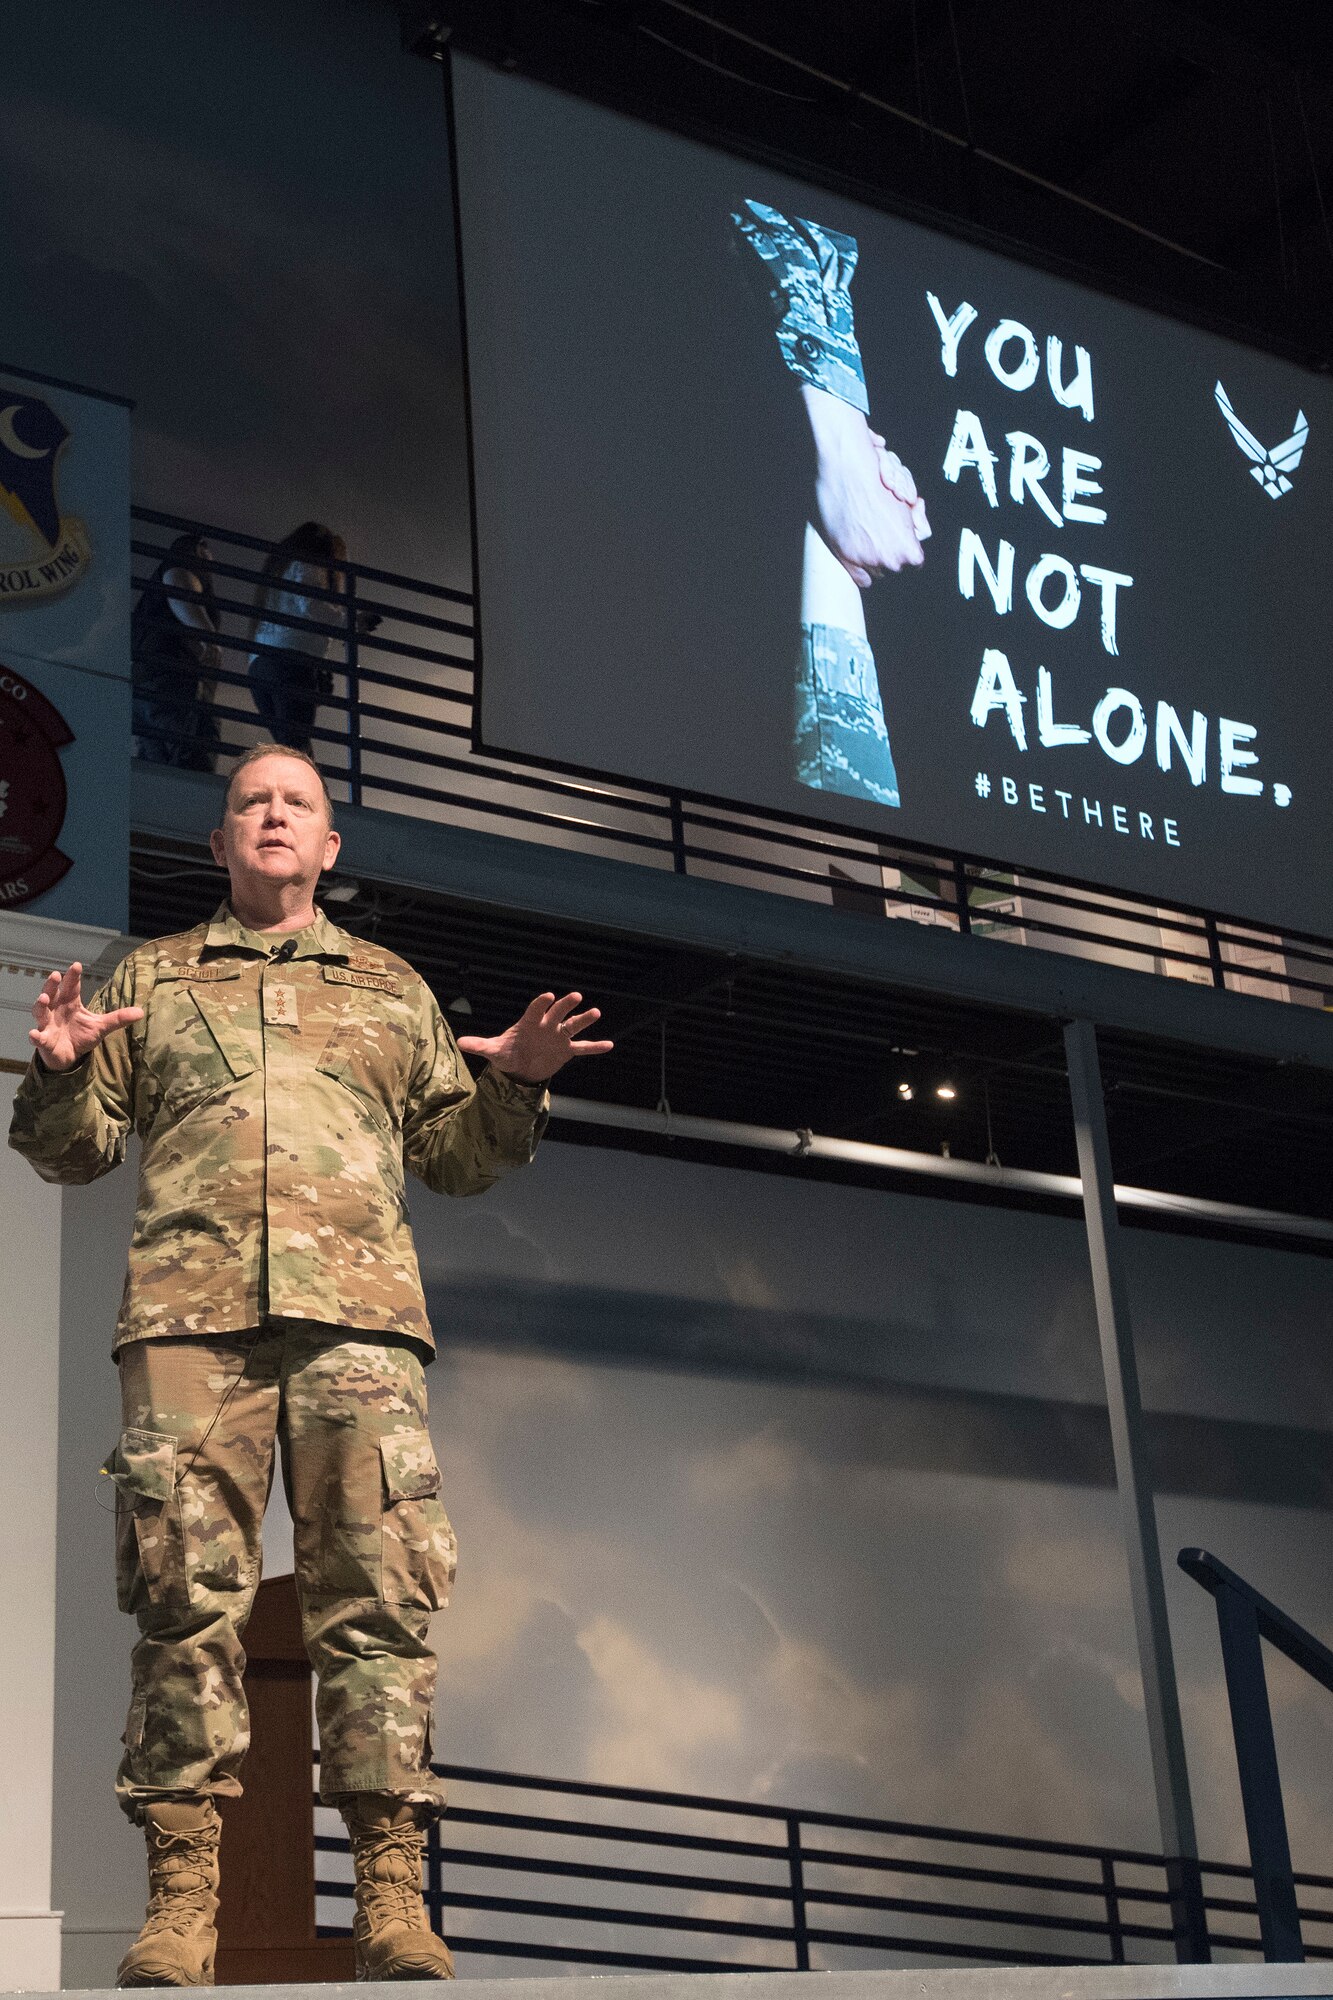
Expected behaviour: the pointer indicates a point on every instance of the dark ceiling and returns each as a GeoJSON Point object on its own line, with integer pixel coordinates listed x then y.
{"type": "Point", "coordinates": [729, 1037]}
{"type": "Point", "coordinates": [1176, 151]}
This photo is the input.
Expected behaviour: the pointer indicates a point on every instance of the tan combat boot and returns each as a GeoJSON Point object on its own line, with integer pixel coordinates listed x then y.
{"type": "Point", "coordinates": [393, 1938]}
{"type": "Point", "coordinates": [177, 1943]}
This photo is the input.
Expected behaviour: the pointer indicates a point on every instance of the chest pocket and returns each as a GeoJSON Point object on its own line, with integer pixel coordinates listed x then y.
{"type": "Point", "coordinates": [368, 1053]}
{"type": "Point", "coordinates": [198, 1049]}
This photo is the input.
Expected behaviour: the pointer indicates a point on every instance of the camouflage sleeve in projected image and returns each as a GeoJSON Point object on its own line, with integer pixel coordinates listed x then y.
{"type": "Point", "coordinates": [809, 272]}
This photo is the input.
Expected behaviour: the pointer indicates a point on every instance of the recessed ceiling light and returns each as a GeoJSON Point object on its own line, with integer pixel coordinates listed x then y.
{"type": "Point", "coordinates": [946, 1091]}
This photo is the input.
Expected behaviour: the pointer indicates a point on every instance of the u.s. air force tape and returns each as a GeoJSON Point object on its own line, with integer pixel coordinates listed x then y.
{"type": "Point", "coordinates": [342, 975]}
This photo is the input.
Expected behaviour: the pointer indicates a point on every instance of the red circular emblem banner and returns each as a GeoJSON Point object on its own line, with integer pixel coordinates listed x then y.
{"type": "Point", "coordinates": [32, 791]}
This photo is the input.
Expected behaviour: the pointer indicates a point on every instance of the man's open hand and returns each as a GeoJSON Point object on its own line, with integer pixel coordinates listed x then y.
{"type": "Point", "coordinates": [66, 1029]}
{"type": "Point", "coordinates": [541, 1042]}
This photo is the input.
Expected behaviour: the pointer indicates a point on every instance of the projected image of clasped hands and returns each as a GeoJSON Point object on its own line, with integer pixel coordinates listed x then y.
{"type": "Point", "coordinates": [868, 519]}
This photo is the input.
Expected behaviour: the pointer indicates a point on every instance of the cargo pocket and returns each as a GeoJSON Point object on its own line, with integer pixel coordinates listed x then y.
{"type": "Point", "coordinates": [150, 1568]}
{"type": "Point", "coordinates": [419, 1554]}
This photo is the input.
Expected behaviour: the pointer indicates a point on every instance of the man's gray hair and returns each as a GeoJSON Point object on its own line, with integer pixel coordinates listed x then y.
{"type": "Point", "coordinates": [258, 750]}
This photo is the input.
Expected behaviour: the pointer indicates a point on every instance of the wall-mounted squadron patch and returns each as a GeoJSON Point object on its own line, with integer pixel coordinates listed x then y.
{"type": "Point", "coordinates": [43, 552]}
{"type": "Point", "coordinates": [32, 791]}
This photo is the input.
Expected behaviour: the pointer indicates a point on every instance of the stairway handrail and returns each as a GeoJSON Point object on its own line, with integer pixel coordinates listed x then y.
{"type": "Point", "coordinates": [1280, 1630]}
{"type": "Point", "coordinates": [1245, 1617]}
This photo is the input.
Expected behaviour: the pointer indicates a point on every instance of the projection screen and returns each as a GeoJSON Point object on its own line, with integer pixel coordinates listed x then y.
{"type": "Point", "coordinates": [785, 500]}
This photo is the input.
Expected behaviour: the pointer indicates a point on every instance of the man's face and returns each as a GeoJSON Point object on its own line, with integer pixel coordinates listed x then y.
{"type": "Point", "coordinates": [275, 829]}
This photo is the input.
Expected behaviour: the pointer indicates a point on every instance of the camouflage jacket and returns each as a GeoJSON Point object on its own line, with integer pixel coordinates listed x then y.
{"type": "Point", "coordinates": [809, 273]}
{"type": "Point", "coordinates": [278, 1104]}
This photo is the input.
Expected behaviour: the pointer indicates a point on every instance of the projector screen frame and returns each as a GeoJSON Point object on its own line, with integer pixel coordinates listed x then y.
{"type": "Point", "coordinates": [663, 118]}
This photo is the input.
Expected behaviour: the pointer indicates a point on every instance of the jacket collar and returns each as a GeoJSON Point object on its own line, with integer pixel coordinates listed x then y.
{"type": "Point", "coordinates": [322, 939]}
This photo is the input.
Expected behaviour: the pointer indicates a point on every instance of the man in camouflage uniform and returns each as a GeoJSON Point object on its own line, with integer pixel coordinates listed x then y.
{"type": "Point", "coordinates": [867, 518]}
{"type": "Point", "coordinates": [281, 1077]}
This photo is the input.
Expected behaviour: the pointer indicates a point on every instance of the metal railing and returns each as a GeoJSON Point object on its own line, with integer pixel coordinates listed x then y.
{"type": "Point", "coordinates": [393, 729]}
{"type": "Point", "coordinates": [1244, 1620]}
{"type": "Point", "coordinates": [729, 1885]}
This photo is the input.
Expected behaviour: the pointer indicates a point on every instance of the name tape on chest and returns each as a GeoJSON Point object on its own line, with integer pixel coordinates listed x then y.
{"type": "Point", "coordinates": [378, 982]}
{"type": "Point", "coordinates": [203, 972]}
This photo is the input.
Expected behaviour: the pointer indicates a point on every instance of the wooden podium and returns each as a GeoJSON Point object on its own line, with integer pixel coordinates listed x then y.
{"type": "Point", "coordinates": [266, 1926]}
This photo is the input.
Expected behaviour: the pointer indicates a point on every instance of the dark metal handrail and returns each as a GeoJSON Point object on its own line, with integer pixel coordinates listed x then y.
{"type": "Point", "coordinates": [396, 725]}
{"type": "Point", "coordinates": [1103, 1901]}
{"type": "Point", "coordinates": [1244, 1619]}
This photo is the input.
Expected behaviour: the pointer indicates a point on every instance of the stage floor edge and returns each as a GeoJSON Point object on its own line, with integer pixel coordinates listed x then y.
{"type": "Point", "coordinates": [1023, 1982]}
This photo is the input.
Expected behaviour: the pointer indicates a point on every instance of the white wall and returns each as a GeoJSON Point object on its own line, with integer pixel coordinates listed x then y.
{"type": "Point", "coordinates": [29, 1333]}
{"type": "Point", "coordinates": [99, 1869]}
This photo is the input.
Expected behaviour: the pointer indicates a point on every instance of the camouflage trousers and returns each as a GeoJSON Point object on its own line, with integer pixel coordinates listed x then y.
{"type": "Point", "coordinates": [374, 1552]}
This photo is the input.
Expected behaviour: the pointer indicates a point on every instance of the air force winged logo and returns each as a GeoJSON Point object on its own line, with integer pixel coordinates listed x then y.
{"type": "Point", "coordinates": [1270, 468]}
{"type": "Point", "coordinates": [43, 552]}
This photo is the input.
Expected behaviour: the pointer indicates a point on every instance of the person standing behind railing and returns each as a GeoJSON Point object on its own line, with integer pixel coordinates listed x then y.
{"type": "Point", "coordinates": [172, 644]}
{"type": "Point", "coordinates": [287, 673]}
